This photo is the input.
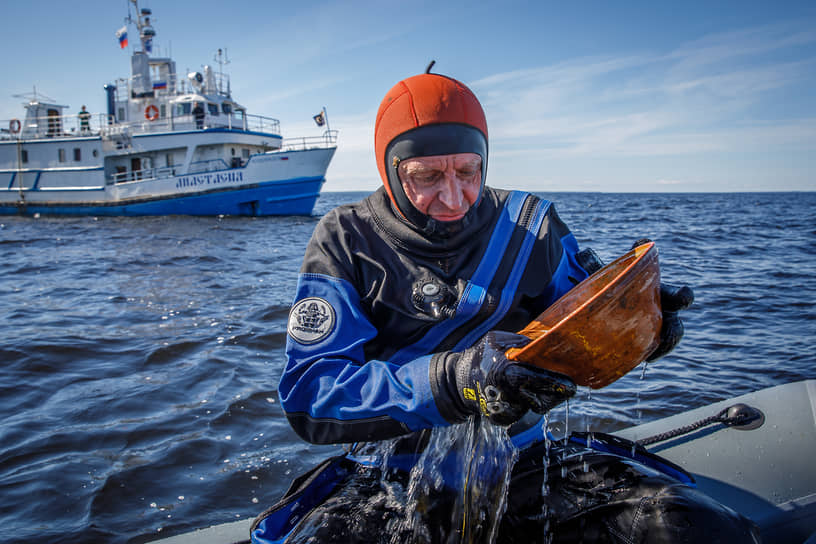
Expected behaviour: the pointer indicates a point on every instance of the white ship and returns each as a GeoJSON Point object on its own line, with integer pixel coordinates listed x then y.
{"type": "Point", "coordinates": [166, 145]}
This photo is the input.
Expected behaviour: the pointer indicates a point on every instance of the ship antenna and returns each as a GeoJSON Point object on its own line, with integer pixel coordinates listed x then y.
{"type": "Point", "coordinates": [222, 59]}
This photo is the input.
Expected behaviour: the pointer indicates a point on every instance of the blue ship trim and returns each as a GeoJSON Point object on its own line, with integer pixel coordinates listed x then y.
{"type": "Point", "coordinates": [39, 173]}
{"type": "Point", "coordinates": [34, 187]}
{"type": "Point", "coordinates": [290, 197]}
{"type": "Point", "coordinates": [45, 140]}
{"type": "Point", "coordinates": [208, 130]}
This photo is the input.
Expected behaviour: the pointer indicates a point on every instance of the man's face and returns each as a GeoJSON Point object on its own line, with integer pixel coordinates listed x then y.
{"type": "Point", "coordinates": [442, 186]}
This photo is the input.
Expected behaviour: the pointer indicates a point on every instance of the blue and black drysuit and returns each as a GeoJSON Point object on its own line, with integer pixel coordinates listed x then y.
{"type": "Point", "coordinates": [379, 304]}
{"type": "Point", "coordinates": [394, 298]}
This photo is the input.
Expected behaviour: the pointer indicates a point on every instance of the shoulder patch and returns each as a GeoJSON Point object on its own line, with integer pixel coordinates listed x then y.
{"type": "Point", "coordinates": [311, 320]}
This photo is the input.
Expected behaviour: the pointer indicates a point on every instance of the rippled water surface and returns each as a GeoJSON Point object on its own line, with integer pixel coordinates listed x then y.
{"type": "Point", "coordinates": [140, 360]}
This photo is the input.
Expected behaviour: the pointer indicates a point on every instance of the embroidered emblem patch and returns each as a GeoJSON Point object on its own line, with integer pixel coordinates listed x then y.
{"type": "Point", "coordinates": [311, 320]}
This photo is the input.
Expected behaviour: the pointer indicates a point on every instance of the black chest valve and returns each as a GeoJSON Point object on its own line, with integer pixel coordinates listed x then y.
{"type": "Point", "coordinates": [433, 298]}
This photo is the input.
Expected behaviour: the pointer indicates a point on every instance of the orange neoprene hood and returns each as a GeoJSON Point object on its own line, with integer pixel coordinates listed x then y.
{"type": "Point", "coordinates": [424, 115]}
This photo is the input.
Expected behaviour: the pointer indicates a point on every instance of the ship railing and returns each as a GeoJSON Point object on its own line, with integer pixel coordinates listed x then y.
{"type": "Point", "coordinates": [144, 174]}
{"type": "Point", "coordinates": [147, 174]}
{"type": "Point", "coordinates": [172, 84]}
{"type": "Point", "coordinates": [132, 87]}
{"type": "Point", "coordinates": [237, 121]}
{"type": "Point", "coordinates": [233, 121]}
{"type": "Point", "coordinates": [78, 125]}
{"type": "Point", "coordinates": [259, 123]}
{"type": "Point", "coordinates": [211, 165]}
{"type": "Point", "coordinates": [329, 139]}
{"type": "Point", "coordinates": [64, 126]}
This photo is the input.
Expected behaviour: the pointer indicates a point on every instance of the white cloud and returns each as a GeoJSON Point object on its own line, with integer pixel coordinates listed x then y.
{"type": "Point", "coordinates": [705, 96]}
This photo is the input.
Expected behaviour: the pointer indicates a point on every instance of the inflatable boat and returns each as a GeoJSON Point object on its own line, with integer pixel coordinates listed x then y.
{"type": "Point", "coordinates": [754, 453]}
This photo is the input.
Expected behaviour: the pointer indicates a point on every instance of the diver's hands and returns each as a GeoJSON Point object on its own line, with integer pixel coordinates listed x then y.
{"type": "Point", "coordinates": [672, 300]}
{"type": "Point", "coordinates": [487, 383]}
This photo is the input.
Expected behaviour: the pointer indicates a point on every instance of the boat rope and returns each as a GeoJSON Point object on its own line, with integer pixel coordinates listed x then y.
{"type": "Point", "coordinates": [740, 416]}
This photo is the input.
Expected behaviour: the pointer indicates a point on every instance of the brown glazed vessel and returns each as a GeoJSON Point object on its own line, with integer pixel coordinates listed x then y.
{"type": "Point", "coordinates": [602, 328]}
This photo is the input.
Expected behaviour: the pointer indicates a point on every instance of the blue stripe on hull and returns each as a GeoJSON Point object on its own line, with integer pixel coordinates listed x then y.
{"type": "Point", "coordinates": [296, 197]}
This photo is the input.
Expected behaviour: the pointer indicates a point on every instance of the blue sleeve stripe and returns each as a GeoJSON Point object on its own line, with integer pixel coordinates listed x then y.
{"type": "Point", "coordinates": [513, 279]}
{"type": "Point", "coordinates": [476, 289]}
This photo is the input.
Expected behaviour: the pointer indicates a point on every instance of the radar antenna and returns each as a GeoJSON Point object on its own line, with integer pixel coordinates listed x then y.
{"type": "Point", "coordinates": [34, 96]}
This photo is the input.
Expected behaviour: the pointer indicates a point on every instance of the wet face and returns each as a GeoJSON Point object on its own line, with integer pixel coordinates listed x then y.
{"type": "Point", "coordinates": [442, 186]}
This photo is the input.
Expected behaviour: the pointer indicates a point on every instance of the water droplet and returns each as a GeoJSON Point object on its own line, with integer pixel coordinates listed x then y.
{"type": "Point", "coordinates": [643, 371]}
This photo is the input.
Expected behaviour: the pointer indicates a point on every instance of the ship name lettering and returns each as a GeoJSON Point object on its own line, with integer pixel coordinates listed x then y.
{"type": "Point", "coordinates": [209, 179]}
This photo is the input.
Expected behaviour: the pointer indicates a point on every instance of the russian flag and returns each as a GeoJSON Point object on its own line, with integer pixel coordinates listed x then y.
{"type": "Point", "coordinates": [121, 35]}
{"type": "Point", "coordinates": [160, 85]}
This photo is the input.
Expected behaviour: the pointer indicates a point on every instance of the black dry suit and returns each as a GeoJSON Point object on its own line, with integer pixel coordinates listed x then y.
{"type": "Point", "coordinates": [377, 302]}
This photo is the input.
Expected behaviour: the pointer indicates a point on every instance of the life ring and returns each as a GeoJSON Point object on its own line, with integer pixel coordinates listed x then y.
{"type": "Point", "coordinates": [151, 113]}
{"type": "Point", "coordinates": [14, 126]}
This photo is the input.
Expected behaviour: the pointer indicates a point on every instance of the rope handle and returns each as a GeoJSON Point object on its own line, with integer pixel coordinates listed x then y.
{"type": "Point", "coordinates": [740, 416]}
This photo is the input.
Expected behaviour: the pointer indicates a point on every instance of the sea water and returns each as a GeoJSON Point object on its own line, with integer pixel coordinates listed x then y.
{"type": "Point", "coordinates": [467, 467]}
{"type": "Point", "coordinates": [141, 356]}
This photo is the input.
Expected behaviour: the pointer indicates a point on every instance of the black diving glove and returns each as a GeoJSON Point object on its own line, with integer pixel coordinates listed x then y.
{"type": "Point", "coordinates": [672, 300]}
{"type": "Point", "coordinates": [480, 380]}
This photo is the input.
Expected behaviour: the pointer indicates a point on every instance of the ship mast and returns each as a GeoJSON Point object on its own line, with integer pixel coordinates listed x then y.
{"type": "Point", "coordinates": [222, 59]}
{"type": "Point", "coordinates": [142, 22]}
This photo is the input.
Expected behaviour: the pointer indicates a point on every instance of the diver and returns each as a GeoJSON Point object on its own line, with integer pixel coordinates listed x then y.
{"type": "Point", "coordinates": [405, 304]}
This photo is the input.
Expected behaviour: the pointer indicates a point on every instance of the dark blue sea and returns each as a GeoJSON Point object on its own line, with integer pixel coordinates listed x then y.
{"type": "Point", "coordinates": [141, 356]}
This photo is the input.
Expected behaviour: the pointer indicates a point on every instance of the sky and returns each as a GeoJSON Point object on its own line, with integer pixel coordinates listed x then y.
{"type": "Point", "coordinates": [696, 96]}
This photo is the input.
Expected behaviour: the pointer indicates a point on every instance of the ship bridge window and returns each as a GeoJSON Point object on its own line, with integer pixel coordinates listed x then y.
{"type": "Point", "coordinates": [213, 108]}
{"type": "Point", "coordinates": [184, 109]}
{"type": "Point", "coordinates": [226, 108]}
